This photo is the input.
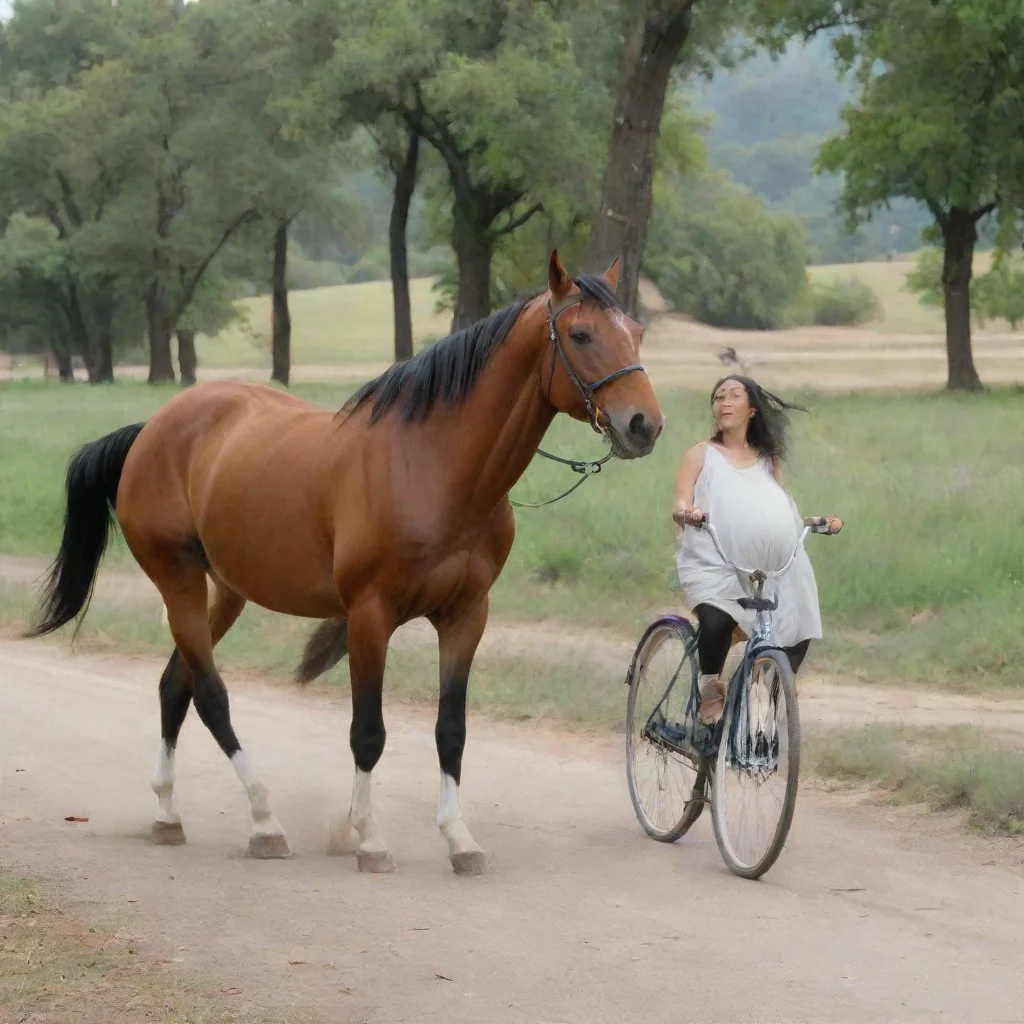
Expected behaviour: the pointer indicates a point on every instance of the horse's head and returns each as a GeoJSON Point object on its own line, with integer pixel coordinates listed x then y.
{"type": "Point", "coordinates": [594, 372]}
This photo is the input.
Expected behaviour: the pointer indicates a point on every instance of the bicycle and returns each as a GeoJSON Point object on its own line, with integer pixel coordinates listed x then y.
{"type": "Point", "coordinates": [760, 747]}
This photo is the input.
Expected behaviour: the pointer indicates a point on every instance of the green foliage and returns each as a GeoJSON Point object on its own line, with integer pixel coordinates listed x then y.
{"type": "Point", "coordinates": [999, 294]}
{"type": "Point", "coordinates": [926, 278]}
{"type": "Point", "coordinates": [839, 303]}
{"type": "Point", "coordinates": [716, 253]}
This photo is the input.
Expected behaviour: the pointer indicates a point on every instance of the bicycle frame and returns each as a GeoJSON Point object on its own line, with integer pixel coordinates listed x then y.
{"type": "Point", "coordinates": [691, 738]}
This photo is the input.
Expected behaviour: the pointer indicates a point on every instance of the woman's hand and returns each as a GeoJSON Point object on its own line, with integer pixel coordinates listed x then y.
{"type": "Point", "coordinates": [833, 523]}
{"type": "Point", "coordinates": [688, 514]}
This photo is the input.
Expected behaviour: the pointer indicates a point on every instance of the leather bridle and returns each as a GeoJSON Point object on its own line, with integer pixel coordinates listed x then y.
{"type": "Point", "coordinates": [586, 390]}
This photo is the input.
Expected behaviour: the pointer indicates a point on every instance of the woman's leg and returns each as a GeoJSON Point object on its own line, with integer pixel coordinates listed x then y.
{"type": "Point", "coordinates": [713, 642]}
{"type": "Point", "coordinates": [796, 654]}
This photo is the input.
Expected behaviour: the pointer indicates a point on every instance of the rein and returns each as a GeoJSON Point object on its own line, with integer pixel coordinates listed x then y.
{"type": "Point", "coordinates": [586, 468]}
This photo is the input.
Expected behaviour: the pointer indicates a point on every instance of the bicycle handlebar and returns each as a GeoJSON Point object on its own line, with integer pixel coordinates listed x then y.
{"type": "Point", "coordinates": [812, 524]}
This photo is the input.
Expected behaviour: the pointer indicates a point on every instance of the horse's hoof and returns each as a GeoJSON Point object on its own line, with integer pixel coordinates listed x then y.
{"type": "Point", "coordinates": [376, 862]}
{"type": "Point", "coordinates": [168, 833]}
{"type": "Point", "coordinates": [471, 862]}
{"type": "Point", "coordinates": [342, 840]}
{"type": "Point", "coordinates": [269, 847]}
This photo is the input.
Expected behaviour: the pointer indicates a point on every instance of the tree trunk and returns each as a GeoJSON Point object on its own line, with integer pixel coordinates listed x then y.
{"type": "Point", "coordinates": [281, 327]}
{"type": "Point", "coordinates": [65, 370]}
{"type": "Point", "coordinates": [103, 366]}
{"type": "Point", "coordinates": [651, 51]}
{"type": "Point", "coordinates": [405, 185]}
{"type": "Point", "coordinates": [187, 361]}
{"type": "Point", "coordinates": [158, 325]}
{"type": "Point", "coordinates": [959, 238]}
{"type": "Point", "coordinates": [474, 250]}
{"type": "Point", "coordinates": [79, 330]}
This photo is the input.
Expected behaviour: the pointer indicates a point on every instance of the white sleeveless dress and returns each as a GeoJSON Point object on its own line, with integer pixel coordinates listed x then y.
{"type": "Point", "coordinates": [757, 524]}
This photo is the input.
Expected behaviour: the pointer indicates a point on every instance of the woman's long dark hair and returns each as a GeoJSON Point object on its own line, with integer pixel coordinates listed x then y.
{"type": "Point", "coordinates": [766, 431]}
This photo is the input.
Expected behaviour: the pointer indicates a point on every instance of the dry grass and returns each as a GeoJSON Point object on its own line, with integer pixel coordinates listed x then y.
{"type": "Point", "coordinates": [955, 769]}
{"type": "Point", "coordinates": [54, 968]}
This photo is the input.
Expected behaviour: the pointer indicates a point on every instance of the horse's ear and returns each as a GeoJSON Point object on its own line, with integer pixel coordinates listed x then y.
{"type": "Point", "coordinates": [612, 274]}
{"type": "Point", "coordinates": [559, 281]}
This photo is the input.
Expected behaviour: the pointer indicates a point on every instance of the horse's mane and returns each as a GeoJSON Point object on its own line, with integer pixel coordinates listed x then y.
{"type": "Point", "coordinates": [450, 368]}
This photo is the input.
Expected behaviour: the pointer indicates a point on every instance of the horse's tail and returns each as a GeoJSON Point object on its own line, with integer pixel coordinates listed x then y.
{"type": "Point", "coordinates": [94, 473]}
{"type": "Point", "coordinates": [326, 646]}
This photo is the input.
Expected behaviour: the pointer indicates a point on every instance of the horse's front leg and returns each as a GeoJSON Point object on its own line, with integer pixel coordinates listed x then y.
{"type": "Point", "coordinates": [458, 637]}
{"type": "Point", "coordinates": [370, 624]}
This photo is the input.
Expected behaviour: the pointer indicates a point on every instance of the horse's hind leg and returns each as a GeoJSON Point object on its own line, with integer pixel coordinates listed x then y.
{"type": "Point", "coordinates": [175, 697]}
{"type": "Point", "coordinates": [185, 595]}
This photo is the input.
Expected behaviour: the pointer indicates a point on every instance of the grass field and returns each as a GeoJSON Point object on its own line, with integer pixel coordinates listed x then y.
{"type": "Point", "coordinates": [924, 583]}
{"type": "Point", "coordinates": [353, 323]}
{"type": "Point", "coordinates": [957, 769]}
{"type": "Point", "coordinates": [345, 323]}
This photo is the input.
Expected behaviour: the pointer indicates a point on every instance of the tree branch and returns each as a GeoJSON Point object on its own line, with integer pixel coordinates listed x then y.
{"type": "Point", "coordinates": [940, 215]}
{"type": "Point", "coordinates": [518, 222]}
{"type": "Point", "coordinates": [189, 290]}
{"type": "Point", "coordinates": [984, 211]}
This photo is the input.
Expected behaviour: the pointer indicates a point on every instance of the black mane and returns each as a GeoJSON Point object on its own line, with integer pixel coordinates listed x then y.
{"type": "Point", "coordinates": [451, 367]}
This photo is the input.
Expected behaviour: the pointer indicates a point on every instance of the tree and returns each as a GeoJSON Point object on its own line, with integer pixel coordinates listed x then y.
{"type": "Point", "coordinates": [494, 88]}
{"type": "Point", "coordinates": [655, 33]}
{"type": "Point", "coordinates": [940, 82]}
{"type": "Point", "coordinates": [717, 253]}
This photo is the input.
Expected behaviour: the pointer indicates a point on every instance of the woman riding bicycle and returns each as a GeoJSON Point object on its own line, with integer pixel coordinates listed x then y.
{"type": "Point", "coordinates": [735, 480]}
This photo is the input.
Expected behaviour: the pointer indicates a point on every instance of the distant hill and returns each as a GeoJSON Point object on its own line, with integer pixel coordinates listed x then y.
{"type": "Point", "coordinates": [770, 119]}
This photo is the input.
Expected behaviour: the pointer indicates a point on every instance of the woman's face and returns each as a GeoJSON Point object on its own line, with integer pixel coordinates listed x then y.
{"type": "Point", "coordinates": [731, 406]}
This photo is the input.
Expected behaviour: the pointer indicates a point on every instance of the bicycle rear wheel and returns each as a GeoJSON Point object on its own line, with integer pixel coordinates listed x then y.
{"type": "Point", "coordinates": [757, 768]}
{"type": "Point", "coordinates": [666, 779]}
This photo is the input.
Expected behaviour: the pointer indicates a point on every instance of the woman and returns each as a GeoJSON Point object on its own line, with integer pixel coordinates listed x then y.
{"type": "Point", "coordinates": [735, 480]}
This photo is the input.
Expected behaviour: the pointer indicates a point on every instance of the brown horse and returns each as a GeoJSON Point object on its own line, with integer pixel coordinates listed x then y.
{"type": "Point", "coordinates": [392, 509]}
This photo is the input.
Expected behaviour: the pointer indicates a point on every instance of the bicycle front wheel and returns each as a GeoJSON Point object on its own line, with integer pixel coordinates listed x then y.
{"type": "Point", "coordinates": [666, 781]}
{"type": "Point", "coordinates": [757, 768]}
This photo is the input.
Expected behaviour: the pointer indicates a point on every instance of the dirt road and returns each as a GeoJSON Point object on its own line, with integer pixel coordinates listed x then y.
{"type": "Point", "coordinates": [581, 918]}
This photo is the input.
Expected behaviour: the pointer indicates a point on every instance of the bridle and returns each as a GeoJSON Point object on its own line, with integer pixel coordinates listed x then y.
{"type": "Point", "coordinates": [586, 468]}
{"type": "Point", "coordinates": [586, 390]}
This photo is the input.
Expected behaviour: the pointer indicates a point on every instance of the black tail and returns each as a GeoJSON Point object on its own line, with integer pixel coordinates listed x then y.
{"type": "Point", "coordinates": [327, 645]}
{"type": "Point", "coordinates": [94, 473]}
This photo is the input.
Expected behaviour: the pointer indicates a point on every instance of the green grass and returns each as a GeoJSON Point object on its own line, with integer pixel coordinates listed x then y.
{"type": "Point", "coordinates": [344, 323]}
{"type": "Point", "coordinates": [930, 486]}
{"type": "Point", "coordinates": [17, 894]}
{"type": "Point", "coordinates": [956, 769]}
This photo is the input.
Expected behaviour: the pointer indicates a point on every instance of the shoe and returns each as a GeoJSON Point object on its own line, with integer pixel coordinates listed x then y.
{"type": "Point", "coordinates": [712, 699]}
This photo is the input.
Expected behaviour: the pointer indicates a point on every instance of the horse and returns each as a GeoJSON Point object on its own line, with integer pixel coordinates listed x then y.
{"type": "Point", "coordinates": [394, 507]}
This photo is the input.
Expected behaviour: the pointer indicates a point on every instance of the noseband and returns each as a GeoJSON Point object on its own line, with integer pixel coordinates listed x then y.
{"type": "Point", "coordinates": [586, 390]}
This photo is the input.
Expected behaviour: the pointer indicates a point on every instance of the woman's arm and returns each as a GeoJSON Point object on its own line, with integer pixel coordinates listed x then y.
{"type": "Point", "coordinates": [777, 472]}
{"type": "Point", "coordinates": [686, 481]}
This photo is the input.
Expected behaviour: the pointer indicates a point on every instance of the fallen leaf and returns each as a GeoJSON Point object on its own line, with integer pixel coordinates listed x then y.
{"type": "Point", "coordinates": [72, 817]}
{"type": "Point", "coordinates": [19, 769]}
{"type": "Point", "coordinates": [230, 991]}
{"type": "Point", "coordinates": [442, 977]}
{"type": "Point", "coordinates": [295, 963]}
{"type": "Point", "coordinates": [854, 888]}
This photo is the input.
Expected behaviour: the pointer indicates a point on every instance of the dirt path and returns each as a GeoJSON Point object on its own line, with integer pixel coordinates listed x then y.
{"type": "Point", "coordinates": [581, 918]}
{"type": "Point", "coordinates": [822, 699]}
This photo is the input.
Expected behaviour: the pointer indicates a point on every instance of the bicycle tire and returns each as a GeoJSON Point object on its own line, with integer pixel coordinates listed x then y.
{"type": "Point", "coordinates": [678, 632]}
{"type": "Point", "coordinates": [725, 844]}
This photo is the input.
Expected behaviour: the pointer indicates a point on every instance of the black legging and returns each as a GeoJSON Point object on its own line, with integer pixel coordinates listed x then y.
{"type": "Point", "coordinates": [715, 639]}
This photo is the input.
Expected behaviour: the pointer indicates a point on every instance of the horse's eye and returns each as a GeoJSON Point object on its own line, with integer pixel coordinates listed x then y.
{"type": "Point", "coordinates": [580, 336]}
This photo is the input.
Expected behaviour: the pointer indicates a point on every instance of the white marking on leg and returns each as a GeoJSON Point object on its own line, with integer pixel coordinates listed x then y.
{"type": "Point", "coordinates": [449, 819]}
{"type": "Point", "coordinates": [163, 786]}
{"type": "Point", "coordinates": [361, 815]}
{"type": "Point", "coordinates": [264, 821]}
